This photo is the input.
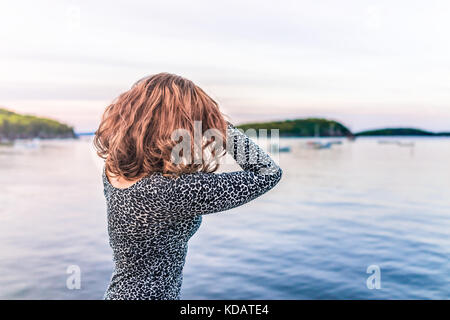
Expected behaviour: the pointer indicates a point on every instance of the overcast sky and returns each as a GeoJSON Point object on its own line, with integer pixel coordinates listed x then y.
{"type": "Point", "coordinates": [366, 63]}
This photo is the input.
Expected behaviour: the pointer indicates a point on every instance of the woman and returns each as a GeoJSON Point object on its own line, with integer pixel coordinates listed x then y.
{"type": "Point", "coordinates": [154, 203]}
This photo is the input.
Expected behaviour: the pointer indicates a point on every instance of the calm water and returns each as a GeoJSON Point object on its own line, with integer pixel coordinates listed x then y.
{"type": "Point", "coordinates": [334, 213]}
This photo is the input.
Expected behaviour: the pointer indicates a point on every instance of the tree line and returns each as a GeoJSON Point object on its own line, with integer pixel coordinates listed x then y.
{"type": "Point", "coordinates": [16, 126]}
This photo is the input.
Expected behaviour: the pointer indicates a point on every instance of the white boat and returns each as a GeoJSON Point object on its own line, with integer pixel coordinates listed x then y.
{"type": "Point", "coordinates": [27, 143]}
{"type": "Point", "coordinates": [318, 145]}
{"type": "Point", "coordinates": [397, 142]}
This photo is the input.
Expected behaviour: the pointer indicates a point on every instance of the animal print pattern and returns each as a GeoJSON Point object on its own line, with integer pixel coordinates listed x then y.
{"type": "Point", "coordinates": [150, 222]}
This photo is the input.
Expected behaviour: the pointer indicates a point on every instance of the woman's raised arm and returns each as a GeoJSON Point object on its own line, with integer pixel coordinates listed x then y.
{"type": "Point", "coordinates": [204, 193]}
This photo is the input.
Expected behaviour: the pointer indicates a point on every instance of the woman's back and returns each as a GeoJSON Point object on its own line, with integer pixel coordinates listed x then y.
{"type": "Point", "coordinates": [151, 221]}
{"type": "Point", "coordinates": [149, 245]}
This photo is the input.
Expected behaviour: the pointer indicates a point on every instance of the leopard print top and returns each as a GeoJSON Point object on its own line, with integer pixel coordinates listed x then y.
{"type": "Point", "coordinates": [150, 222]}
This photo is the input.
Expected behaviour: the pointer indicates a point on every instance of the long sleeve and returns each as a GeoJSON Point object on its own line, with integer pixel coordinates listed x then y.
{"type": "Point", "coordinates": [151, 222]}
{"type": "Point", "coordinates": [205, 193]}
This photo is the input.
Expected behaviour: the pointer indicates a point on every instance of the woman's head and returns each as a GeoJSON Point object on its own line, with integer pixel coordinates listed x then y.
{"type": "Point", "coordinates": [136, 130]}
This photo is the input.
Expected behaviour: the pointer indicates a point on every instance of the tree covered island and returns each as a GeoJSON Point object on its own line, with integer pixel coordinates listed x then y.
{"type": "Point", "coordinates": [400, 132]}
{"type": "Point", "coordinates": [16, 126]}
{"type": "Point", "coordinates": [310, 127]}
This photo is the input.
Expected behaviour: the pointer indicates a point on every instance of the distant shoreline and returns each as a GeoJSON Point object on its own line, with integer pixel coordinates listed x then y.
{"type": "Point", "coordinates": [319, 127]}
{"type": "Point", "coordinates": [324, 132]}
{"type": "Point", "coordinates": [401, 132]}
{"type": "Point", "coordinates": [14, 126]}
{"type": "Point", "coordinates": [316, 128]}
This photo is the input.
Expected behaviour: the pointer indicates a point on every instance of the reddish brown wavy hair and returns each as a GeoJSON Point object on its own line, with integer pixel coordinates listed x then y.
{"type": "Point", "coordinates": [135, 133]}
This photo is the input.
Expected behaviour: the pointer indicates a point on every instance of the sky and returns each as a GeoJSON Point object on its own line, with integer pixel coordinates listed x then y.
{"type": "Point", "coordinates": [368, 64]}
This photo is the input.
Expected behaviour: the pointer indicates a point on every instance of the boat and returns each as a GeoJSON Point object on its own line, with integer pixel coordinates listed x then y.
{"type": "Point", "coordinates": [318, 145]}
{"type": "Point", "coordinates": [284, 149]}
{"type": "Point", "coordinates": [6, 143]}
{"type": "Point", "coordinates": [397, 142]}
{"type": "Point", "coordinates": [27, 143]}
{"type": "Point", "coordinates": [275, 147]}
{"type": "Point", "coordinates": [406, 144]}
{"type": "Point", "coordinates": [388, 141]}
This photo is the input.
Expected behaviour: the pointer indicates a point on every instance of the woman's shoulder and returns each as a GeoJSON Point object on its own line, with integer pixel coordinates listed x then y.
{"type": "Point", "coordinates": [120, 184]}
